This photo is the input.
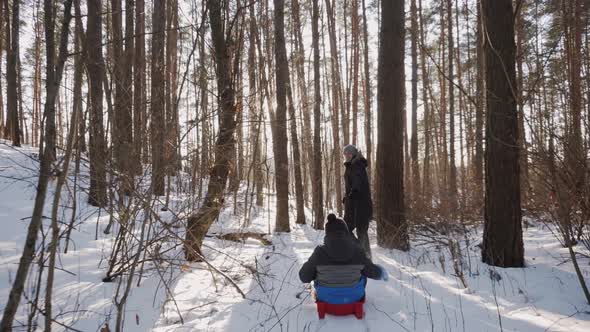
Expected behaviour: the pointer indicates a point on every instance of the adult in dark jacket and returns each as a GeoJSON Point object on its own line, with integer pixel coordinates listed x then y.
{"type": "Point", "coordinates": [358, 206]}
{"type": "Point", "coordinates": [339, 267]}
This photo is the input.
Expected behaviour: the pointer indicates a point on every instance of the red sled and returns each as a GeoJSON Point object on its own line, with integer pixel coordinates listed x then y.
{"type": "Point", "coordinates": [355, 308]}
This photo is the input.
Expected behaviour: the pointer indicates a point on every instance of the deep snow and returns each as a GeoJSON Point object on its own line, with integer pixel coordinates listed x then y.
{"type": "Point", "coordinates": [421, 294]}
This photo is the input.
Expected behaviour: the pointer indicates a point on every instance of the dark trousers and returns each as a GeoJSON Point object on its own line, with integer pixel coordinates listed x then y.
{"type": "Point", "coordinates": [362, 235]}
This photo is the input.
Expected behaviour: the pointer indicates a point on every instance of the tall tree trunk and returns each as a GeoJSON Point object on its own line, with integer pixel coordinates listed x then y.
{"type": "Point", "coordinates": [171, 158]}
{"type": "Point", "coordinates": [502, 238]}
{"type": "Point", "coordinates": [355, 69]}
{"type": "Point", "coordinates": [368, 95]}
{"type": "Point", "coordinates": [79, 62]}
{"type": "Point", "coordinates": [452, 165]}
{"type": "Point", "coordinates": [23, 128]}
{"type": "Point", "coordinates": [199, 223]}
{"type": "Point", "coordinates": [3, 7]}
{"type": "Point", "coordinates": [479, 110]}
{"type": "Point", "coordinates": [416, 205]}
{"type": "Point", "coordinates": [336, 97]}
{"type": "Point", "coordinates": [95, 69]}
{"type": "Point", "coordinates": [460, 199]}
{"type": "Point", "coordinates": [574, 149]}
{"type": "Point", "coordinates": [53, 79]}
{"type": "Point", "coordinates": [254, 111]}
{"type": "Point", "coordinates": [116, 62]}
{"type": "Point", "coordinates": [12, 58]}
{"type": "Point", "coordinates": [346, 86]}
{"type": "Point", "coordinates": [131, 165]}
{"type": "Point", "coordinates": [139, 88]}
{"type": "Point", "coordinates": [36, 116]}
{"type": "Point", "coordinates": [524, 185]}
{"type": "Point", "coordinates": [317, 147]}
{"type": "Point", "coordinates": [280, 122]}
{"type": "Point", "coordinates": [330, 11]}
{"type": "Point", "coordinates": [392, 229]}
{"type": "Point", "coordinates": [296, 154]}
{"type": "Point", "coordinates": [158, 99]}
{"type": "Point", "coordinates": [426, 180]}
{"type": "Point", "coordinates": [443, 156]}
{"type": "Point", "coordinates": [303, 93]}
{"type": "Point", "coordinates": [204, 86]}
{"type": "Point", "coordinates": [122, 125]}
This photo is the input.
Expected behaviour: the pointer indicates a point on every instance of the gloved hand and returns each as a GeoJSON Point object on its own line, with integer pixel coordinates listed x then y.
{"type": "Point", "coordinates": [384, 274]}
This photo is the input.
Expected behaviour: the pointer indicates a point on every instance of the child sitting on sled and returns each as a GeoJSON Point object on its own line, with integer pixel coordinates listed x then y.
{"type": "Point", "coordinates": [340, 267]}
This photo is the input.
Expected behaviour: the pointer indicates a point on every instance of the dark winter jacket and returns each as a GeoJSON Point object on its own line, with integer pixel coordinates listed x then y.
{"type": "Point", "coordinates": [340, 261]}
{"type": "Point", "coordinates": [358, 206]}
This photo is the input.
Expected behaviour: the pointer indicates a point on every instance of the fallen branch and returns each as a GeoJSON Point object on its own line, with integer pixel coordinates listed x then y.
{"type": "Point", "coordinates": [242, 237]}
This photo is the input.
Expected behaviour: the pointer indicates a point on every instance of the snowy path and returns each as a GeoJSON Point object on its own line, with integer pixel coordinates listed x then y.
{"type": "Point", "coordinates": [418, 297]}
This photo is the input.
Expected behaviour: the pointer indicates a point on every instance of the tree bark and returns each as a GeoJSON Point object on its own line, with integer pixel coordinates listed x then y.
{"type": "Point", "coordinates": [79, 62]}
{"type": "Point", "coordinates": [317, 147]}
{"type": "Point", "coordinates": [122, 124]}
{"type": "Point", "coordinates": [254, 111]}
{"type": "Point", "coordinates": [130, 165]}
{"type": "Point", "coordinates": [158, 99]}
{"type": "Point", "coordinates": [574, 149]}
{"type": "Point", "coordinates": [368, 95]}
{"type": "Point", "coordinates": [171, 157]}
{"type": "Point", "coordinates": [479, 110]}
{"type": "Point", "coordinates": [452, 165]}
{"type": "Point", "coordinates": [199, 223]}
{"type": "Point", "coordinates": [280, 121]}
{"type": "Point", "coordinates": [355, 69]}
{"type": "Point", "coordinates": [139, 89]}
{"type": "Point", "coordinates": [12, 59]}
{"type": "Point", "coordinates": [392, 228]}
{"type": "Point", "coordinates": [336, 105]}
{"type": "Point", "coordinates": [296, 155]}
{"type": "Point", "coordinates": [95, 68]}
{"type": "Point", "coordinates": [502, 238]}
{"type": "Point", "coordinates": [524, 185]}
{"type": "Point", "coordinates": [416, 189]}
{"type": "Point", "coordinates": [426, 179]}
{"type": "Point", "coordinates": [3, 7]}
{"type": "Point", "coordinates": [299, 62]}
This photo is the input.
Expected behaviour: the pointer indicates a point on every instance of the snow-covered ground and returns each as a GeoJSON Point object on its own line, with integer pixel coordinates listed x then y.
{"type": "Point", "coordinates": [420, 295]}
{"type": "Point", "coordinates": [423, 294]}
{"type": "Point", "coordinates": [81, 300]}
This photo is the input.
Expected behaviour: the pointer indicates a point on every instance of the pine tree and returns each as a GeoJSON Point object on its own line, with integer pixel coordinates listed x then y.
{"type": "Point", "coordinates": [392, 228]}
{"type": "Point", "coordinates": [158, 104]}
{"type": "Point", "coordinates": [199, 223]}
{"type": "Point", "coordinates": [317, 147]}
{"type": "Point", "coordinates": [139, 88]}
{"type": "Point", "coordinates": [12, 60]}
{"type": "Point", "coordinates": [280, 121]}
{"type": "Point", "coordinates": [414, 139]}
{"type": "Point", "coordinates": [502, 238]}
{"type": "Point", "coordinates": [95, 68]}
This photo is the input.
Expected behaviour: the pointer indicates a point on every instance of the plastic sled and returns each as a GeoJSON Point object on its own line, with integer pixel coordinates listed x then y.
{"type": "Point", "coordinates": [355, 308]}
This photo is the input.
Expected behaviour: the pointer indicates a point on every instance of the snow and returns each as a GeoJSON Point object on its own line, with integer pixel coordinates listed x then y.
{"type": "Point", "coordinates": [418, 297]}
{"type": "Point", "coordinates": [80, 299]}
{"type": "Point", "coordinates": [423, 294]}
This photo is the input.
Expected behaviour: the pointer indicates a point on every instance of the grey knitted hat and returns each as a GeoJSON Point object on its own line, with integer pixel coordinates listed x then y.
{"type": "Point", "coordinates": [350, 149]}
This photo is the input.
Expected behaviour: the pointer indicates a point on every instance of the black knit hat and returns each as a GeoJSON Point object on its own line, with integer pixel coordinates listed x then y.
{"type": "Point", "coordinates": [335, 225]}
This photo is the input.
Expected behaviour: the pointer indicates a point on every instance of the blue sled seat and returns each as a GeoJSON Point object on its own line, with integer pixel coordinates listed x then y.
{"type": "Point", "coordinates": [341, 295]}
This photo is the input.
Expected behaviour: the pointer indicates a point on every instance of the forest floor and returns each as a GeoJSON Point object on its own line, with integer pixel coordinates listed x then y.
{"type": "Point", "coordinates": [423, 293]}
